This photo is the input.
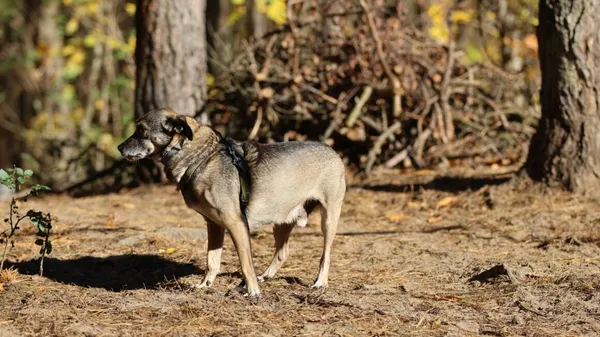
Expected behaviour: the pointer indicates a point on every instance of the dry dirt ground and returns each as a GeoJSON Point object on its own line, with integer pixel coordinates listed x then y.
{"type": "Point", "coordinates": [410, 259]}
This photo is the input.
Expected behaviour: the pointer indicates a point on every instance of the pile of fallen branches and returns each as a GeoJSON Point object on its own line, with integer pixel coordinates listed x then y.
{"type": "Point", "coordinates": [380, 93]}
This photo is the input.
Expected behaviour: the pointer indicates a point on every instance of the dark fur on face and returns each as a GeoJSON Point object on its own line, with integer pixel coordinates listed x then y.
{"type": "Point", "coordinates": [153, 134]}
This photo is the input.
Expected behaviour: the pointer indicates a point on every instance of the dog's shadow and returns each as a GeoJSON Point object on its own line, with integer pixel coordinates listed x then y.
{"type": "Point", "coordinates": [114, 273]}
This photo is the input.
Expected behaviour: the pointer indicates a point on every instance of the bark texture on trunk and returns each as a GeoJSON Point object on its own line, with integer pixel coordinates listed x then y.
{"type": "Point", "coordinates": [170, 56]}
{"type": "Point", "coordinates": [256, 22]}
{"type": "Point", "coordinates": [565, 151]}
{"type": "Point", "coordinates": [171, 64]}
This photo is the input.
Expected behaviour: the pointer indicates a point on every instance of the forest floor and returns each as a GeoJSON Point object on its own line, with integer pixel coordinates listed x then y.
{"type": "Point", "coordinates": [410, 259]}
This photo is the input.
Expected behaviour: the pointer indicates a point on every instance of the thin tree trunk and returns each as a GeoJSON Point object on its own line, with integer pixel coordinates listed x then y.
{"type": "Point", "coordinates": [565, 150]}
{"type": "Point", "coordinates": [51, 37]}
{"type": "Point", "coordinates": [170, 56]}
{"type": "Point", "coordinates": [170, 60]}
{"type": "Point", "coordinates": [257, 23]}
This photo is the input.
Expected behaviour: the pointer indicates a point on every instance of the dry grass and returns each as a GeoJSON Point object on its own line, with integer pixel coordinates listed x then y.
{"type": "Point", "coordinates": [9, 276]}
{"type": "Point", "coordinates": [401, 265]}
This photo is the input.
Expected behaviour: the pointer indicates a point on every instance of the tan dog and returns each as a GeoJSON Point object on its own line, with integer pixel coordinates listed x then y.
{"type": "Point", "coordinates": [283, 179]}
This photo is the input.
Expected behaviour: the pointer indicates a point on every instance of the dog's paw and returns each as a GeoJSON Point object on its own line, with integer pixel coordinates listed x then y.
{"type": "Point", "coordinates": [252, 294]}
{"type": "Point", "coordinates": [319, 285]}
{"type": "Point", "coordinates": [237, 291]}
{"type": "Point", "coordinates": [205, 284]}
{"type": "Point", "coordinates": [264, 276]}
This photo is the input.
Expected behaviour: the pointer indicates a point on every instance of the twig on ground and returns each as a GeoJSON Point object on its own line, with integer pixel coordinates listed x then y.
{"type": "Point", "coordinates": [360, 103]}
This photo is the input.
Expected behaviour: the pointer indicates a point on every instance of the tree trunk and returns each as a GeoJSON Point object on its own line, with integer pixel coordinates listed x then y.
{"type": "Point", "coordinates": [256, 22]}
{"type": "Point", "coordinates": [170, 61]}
{"type": "Point", "coordinates": [565, 151]}
{"type": "Point", "coordinates": [170, 56]}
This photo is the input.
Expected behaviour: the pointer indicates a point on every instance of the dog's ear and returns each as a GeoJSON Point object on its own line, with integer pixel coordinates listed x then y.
{"type": "Point", "coordinates": [179, 125]}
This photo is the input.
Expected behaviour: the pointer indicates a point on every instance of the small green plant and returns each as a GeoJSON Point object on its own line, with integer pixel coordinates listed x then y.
{"type": "Point", "coordinates": [14, 179]}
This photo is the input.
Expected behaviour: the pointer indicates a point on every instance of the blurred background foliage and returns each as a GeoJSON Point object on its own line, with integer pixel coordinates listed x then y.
{"type": "Point", "coordinates": [67, 67]}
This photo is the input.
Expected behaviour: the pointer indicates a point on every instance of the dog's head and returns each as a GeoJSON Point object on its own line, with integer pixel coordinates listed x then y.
{"type": "Point", "coordinates": [154, 133]}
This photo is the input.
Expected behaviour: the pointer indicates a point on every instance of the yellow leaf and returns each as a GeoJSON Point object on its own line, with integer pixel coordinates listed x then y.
{"type": "Point", "coordinates": [167, 251]}
{"type": "Point", "coordinates": [236, 14]}
{"type": "Point", "coordinates": [447, 201]}
{"type": "Point", "coordinates": [68, 50]}
{"type": "Point", "coordinates": [106, 142]}
{"type": "Point", "coordinates": [1, 286]}
{"type": "Point", "coordinates": [68, 92]}
{"type": "Point", "coordinates": [473, 54]}
{"type": "Point", "coordinates": [114, 43]}
{"type": "Point", "coordinates": [435, 12]}
{"type": "Point", "coordinates": [131, 43]}
{"type": "Point", "coordinates": [238, 2]}
{"type": "Point", "coordinates": [462, 16]}
{"type": "Point", "coordinates": [130, 8]}
{"type": "Point", "coordinates": [396, 217]}
{"type": "Point", "coordinates": [99, 104]}
{"type": "Point", "coordinates": [78, 57]}
{"type": "Point", "coordinates": [67, 2]}
{"type": "Point", "coordinates": [210, 79]}
{"type": "Point", "coordinates": [92, 7]}
{"type": "Point", "coordinates": [71, 26]}
{"type": "Point", "coordinates": [434, 219]}
{"type": "Point", "coordinates": [277, 11]}
{"type": "Point", "coordinates": [89, 40]}
{"type": "Point", "coordinates": [440, 32]}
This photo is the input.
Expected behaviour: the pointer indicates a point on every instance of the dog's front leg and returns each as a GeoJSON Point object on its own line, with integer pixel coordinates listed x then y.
{"type": "Point", "coordinates": [241, 239]}
{"type": "Point", "coordinates": [216, 235]}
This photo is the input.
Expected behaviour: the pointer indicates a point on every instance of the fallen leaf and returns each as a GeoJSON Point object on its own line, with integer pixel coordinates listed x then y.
{"type": "Point", "coordinates": [1, 286]}
{"type": "Point", "coordinates": [167, 251]}
{"type": "Point", "coordinates": [531, 42]}
{"type": "Point", "coordinates": [425, 172]}
{"type": "Point", "coordinates": [413, 204]}
{"type": "Point", "coordinates": [110, 222]}
{"type": "Point", "coordinates": [23, 257]}
{"type": "Point", "coordinates": [128, 206]}
{"type": "Point", "coordinates": [448, 201]}
{"type": "Point", "coordinates": [396, 217]}
{"type": "Point", "coordinates": [434, 219]}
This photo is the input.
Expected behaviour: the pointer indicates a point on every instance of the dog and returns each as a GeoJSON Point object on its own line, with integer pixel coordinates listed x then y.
{"type": "Point", "coordinates": [239, 186]}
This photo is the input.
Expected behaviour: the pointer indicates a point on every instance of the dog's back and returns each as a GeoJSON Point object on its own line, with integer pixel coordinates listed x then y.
{"type": "Point", "coordinates": [298, 172]}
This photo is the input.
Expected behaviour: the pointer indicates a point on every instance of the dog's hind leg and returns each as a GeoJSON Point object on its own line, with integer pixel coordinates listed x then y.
{"type": "Point", "coordinates": [216, 235]}
{"type": "Point", "coordinates": [281, 233]}
{"type": "Point", "coordinates": [330, 215]}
